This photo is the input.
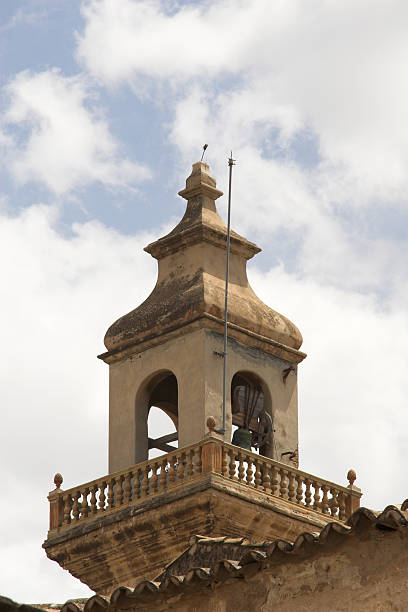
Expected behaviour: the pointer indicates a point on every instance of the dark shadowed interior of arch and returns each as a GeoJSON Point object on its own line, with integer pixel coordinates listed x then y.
{"type": "Point", "coordinates": [247, 404]}
{"type": "Point", "coordinates": [163, 416]}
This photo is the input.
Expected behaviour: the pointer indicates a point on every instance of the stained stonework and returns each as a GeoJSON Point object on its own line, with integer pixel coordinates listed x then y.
{"type": "Point", "coordinates": [355, 568]}
{"type": "Point", "coordinates": [178, 331]}
{"type": "Point", "coordinates": [136, 542]}
{"type": "Point", "coordinates": [191, 279]}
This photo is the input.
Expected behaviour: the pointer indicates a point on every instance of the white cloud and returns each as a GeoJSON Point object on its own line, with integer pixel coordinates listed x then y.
{"type": "Point", "coordinates": [351, 385]}
{"type": "Point", "coordinates": [58, 296]}
{"type": "Point", "coordinates": [267, 79]}
{"type": "Point", "coordinates": [154, 43]}
{"type": "Point", "coordinates": [25, 16]}
{"type": "Point", "coordinates": [335, 68]}
{"type": "Point", "coordinates": [264, 78]}
{"type": "Point", "coordinates": [63, 141]}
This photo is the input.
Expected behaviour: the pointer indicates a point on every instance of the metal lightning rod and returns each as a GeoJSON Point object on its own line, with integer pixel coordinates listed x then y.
{"type": "Point", "coordinates": [231, 162]}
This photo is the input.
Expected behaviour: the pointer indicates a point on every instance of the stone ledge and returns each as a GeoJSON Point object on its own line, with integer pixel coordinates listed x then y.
{"type": "Point", "coordinates": [199, 483]}
{"type": "Point", "coordinates": [140, 540]}
{"type": "Point", "coordinates": [212, 323]}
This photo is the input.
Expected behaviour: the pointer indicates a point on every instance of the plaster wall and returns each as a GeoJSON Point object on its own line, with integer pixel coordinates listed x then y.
{"type": "Point", "coordinates": [195, 360]}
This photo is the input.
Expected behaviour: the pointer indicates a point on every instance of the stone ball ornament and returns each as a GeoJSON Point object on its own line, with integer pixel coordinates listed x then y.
{"type": "Point", "coordinates": [351, 477]}
{"type": "Point", "coordinates": [58, 480]}
{"type": "Point", "coordinates": [211, 423]}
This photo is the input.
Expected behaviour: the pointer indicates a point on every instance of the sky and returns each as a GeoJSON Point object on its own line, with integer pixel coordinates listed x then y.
{"type": "Point", "coordinates": [105, 104]}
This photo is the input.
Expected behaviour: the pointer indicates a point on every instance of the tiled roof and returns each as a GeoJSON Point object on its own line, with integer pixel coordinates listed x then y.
{"type": "Point", "coordinates": [8, 605]}
{"type": "Point", "coordinates": [253, 556]}
{"type": "Point", "coordinates": [207, 551]}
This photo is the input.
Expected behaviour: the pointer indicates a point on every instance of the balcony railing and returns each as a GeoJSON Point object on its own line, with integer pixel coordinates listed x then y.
{"type": "Point", "coordinates": [211, 455]}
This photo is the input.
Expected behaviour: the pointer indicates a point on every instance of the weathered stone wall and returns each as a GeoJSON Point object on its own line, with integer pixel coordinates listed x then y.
{"type": "Point", "coordinates": [173, 332]}
{"type": "Point", "coordinates": [366, 572]}
{"type": "Point", "coordinates": [126, 545]}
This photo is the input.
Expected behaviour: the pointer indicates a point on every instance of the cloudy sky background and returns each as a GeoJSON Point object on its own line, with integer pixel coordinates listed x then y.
{"type": "Point", "coordinates": [105, 105]}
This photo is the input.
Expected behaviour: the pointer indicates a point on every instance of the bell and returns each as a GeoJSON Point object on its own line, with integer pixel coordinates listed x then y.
{"type": "Point", "coordinates": [243, 438]}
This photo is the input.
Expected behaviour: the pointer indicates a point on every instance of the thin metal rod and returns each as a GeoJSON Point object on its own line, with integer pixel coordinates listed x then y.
{"type": "Point", "coordinates": [204, 150]}
{"type": "Point", "coordinates": [231, 162]}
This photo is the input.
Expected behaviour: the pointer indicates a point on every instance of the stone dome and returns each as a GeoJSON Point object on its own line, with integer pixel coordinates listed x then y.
{"type": "Point", "coordinates": [190, 288]}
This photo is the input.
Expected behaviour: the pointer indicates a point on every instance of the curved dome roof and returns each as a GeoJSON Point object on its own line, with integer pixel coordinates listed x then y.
{"type": "Point", "coordinates": [191, 281]}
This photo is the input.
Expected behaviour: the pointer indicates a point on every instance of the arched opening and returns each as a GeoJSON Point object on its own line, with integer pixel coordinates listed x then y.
{"type": "Point", "coordinates": [162, 422]}
{"type": "Point", "coordinates": [251, 413]}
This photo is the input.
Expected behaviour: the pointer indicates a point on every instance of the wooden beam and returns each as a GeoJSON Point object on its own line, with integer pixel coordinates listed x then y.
{"type": "Point", "coordinates": [161, 443]}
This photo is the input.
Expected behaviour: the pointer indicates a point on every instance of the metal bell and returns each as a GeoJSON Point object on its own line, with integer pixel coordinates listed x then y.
{"type": "Point", "coordinates": [242, 438]}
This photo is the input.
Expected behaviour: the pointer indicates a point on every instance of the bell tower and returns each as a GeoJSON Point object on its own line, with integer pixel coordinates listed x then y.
{"type": "Point", "coordinates": [168, 351]}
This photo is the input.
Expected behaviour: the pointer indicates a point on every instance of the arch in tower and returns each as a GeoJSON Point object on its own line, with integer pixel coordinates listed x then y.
{"type": "Point", "coordinates": [251, 407]}
{"type": "Point", "coordinates": [159, 390]}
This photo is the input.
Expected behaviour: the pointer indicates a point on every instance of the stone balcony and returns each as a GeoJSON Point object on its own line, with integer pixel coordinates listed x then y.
{"type": "Point", "coordinates": [131, 524]}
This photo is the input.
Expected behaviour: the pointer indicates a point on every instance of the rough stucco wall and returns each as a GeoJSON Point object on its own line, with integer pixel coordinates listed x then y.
{"type": "Point", "coordinates": [348, 574]}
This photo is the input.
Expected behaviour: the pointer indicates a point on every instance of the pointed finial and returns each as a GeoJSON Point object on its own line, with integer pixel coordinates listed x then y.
{"type": "Point", "coordinates": [204, 150]}
{"type": "Point", "coordinates": [58, 480]}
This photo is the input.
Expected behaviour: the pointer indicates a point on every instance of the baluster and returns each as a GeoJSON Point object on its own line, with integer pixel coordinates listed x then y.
{"type": "Point", "coordinates": [128, 486]}
{"type": "Point", "coordinates": [142, 477]}
{"type": "Point", "coordinates": [292, 487]}
{"type": "Point", "coordinates": [249, 471]}
{"type": "Point", "coordinates": [102, 496]}
{"type": "Point", "coordinates": [266, 479]}
{"type": "Point", "coordinates": [180, 467]}
{"type": "Point", "coordinates": [154, 479]}
{"type": "Point", "coordinates": [224, 469]}
{"type": "Point", "coordinates": [325, 500]}
{"type": "Point", "coordinates": [275, 481]}
{"type": "Point", "coordinates": [142, 483]}
{"type": "Point", "coordinates": [136, 484]}
{"type": "Point", "coordinates": [198, 460]}
{"type": "Point", "coordinates": [258, 475]}
{"type": "Point", "coordinates": [190, 463]}
{"type": "Point", "coordinates": [317, 503]}
{"type": "Point", "coordinates": [145, 481]}
{"type": "Point", "coordinates": [119, 491]}
{"type": "Point", "coordinates": [111, 494]}
{"type": "Point", "coordinates": [84, 505]}
{"type": "Point", "coordinates": [283, 487]}
{"type": "Point", "coordinates": [67, 508]}
{"type": "Point", "coordinates": [299, 490]}
{"type": "Point", "coordinates": [334, 505]}
{"type": "Point", "coordinates": [232, 466]}
{"type": "Point", "coordinates": [75, 507]}
{"type": "Point", "coordinates": [92, 501]}
{"type": "Point", "coordinates": [308, 493]}
{"type": "Point", "coordinates": [172, 470]}
{"type": "Point", "coordinates": [163, 475]}
{"type": "Point", "coordinates": [342, 506]}
{"type": "Point", "coordinates": [241, 468]}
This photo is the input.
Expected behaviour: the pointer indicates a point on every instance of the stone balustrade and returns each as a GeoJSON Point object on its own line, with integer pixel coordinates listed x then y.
{"type": "Point", "coordinates": [211, 455]}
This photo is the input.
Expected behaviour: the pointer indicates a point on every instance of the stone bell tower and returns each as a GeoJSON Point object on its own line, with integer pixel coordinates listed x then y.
{"type": "Point", "coordinates": [168, 351]}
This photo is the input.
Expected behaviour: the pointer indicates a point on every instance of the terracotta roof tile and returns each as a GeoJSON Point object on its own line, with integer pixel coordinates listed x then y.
{"type": "Point", "coordinates": [8, 605]}
{"type": "Point", "coordinates": [96, 603]}
{"type": "Point", "coordinates": [392, 517]}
